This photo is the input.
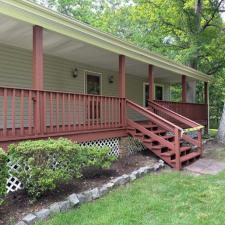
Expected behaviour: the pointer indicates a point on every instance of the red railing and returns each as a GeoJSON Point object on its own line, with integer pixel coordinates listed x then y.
{"type": "Point", "coordinates": [28, 112]}
{"type": "Point", "coordinates": [193, 111]}
{"type": "Point", "coordinates": [155, 116]}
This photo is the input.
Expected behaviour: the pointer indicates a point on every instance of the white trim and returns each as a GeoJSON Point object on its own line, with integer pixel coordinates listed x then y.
{"type": "Point", "coordinates": [94, 73]}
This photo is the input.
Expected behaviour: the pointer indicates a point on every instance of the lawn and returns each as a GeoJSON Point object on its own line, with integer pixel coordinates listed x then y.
{"type": "Point", "coordinates": [164, 198]}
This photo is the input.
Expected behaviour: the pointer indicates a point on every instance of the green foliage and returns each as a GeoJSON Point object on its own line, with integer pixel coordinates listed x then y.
{"type": "Point", "coordinates": [3, 174]}
{"type": "Point", "coordinates": [46, 163]}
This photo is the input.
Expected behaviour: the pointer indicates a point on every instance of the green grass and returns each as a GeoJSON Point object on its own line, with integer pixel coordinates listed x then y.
{"type": "Point", "coordinates": [165, 198]}
{"type": "Point", "coordinates": [213, 132]}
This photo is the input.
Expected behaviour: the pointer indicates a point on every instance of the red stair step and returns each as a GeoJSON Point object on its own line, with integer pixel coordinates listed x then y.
{"type": "Point", "coordinates": [187, 157]}
{"type": "Point", "coordinates": [159, 131]}
{"type": "Point", "coordinates": [170, 153]}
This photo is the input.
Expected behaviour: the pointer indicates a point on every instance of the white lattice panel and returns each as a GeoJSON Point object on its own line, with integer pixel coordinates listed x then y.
{"type": "Point", "coordinates": [112, 143]}
{"type": "Point", "coordinates": [13, 184]}
{"type": "Point", "coordinates": [134, 145]}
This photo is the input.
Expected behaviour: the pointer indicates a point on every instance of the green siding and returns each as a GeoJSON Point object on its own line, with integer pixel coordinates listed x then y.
{"type": "Point", "coordinates": [16, 70]}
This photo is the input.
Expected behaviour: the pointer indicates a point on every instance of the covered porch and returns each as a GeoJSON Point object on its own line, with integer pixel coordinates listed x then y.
{"type": "Point", "coordinates": [72, 80]}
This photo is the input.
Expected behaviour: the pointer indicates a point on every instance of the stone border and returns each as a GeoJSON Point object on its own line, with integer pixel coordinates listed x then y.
{"type": "Point", "coordinates": [75, 200]}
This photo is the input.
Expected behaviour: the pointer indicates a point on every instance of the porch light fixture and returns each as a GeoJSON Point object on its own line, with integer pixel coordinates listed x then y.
{"type": "Point", "coordinates": [111, 79]}
{"type": "Point", "coordinates": [75, 72]}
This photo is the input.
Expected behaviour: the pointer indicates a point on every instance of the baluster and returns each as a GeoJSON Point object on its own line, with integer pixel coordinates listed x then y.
{"type": "Point", "coordinates": [79, 112]}
{"type": "Point", "coordinates": [68, 108]}
{"type": "Point", "coordinates": [63, 112]}
{"type": "Point", "coordinates": [84, 114]}
{"type": "Point", "coordinates": [22, 113]}
{"type": "Point", "coordinates": [105, 113]}
{"type": "Point", "coordinates": [30, 118]}
{"type": "Point", "coordinates": [51, 112]}
{"type": "Point", "coordinates": [13, 112]}
{"type": "Point", "coordinates": [74, 112]}
{"type": "Point", "coordinates": [57, 112]}
{"type": "Point", "coordinates": [5, 112]}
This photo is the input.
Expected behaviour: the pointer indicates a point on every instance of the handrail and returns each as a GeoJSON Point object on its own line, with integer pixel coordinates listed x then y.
{"type": "Point", "coordinates": [152, 116]}
{"type": "Point", "coordinates": [174, 115]}
{"type": "Point", "coordinates": [56, 91]}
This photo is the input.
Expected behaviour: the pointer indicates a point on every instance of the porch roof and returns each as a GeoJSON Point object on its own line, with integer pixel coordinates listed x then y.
{"type": "Point", "coordinates": [53, 21]}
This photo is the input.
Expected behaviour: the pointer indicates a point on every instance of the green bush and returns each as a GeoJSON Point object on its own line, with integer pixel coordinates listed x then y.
{"type": "Point", "coordinates": [3, 174]}
{"type": "Point", "coordinates": [46, 163]}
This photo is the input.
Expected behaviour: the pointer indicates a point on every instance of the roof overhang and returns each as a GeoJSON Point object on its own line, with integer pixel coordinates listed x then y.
{"type": "Point", "coordinates": [35, 14]}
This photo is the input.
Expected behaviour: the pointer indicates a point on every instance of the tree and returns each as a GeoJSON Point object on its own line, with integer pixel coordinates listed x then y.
{"type": "Point", "coordinates": [191, 32]}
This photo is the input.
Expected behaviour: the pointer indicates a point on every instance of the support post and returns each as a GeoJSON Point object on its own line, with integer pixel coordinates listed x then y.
{"type": "Point", "coordinates": [184, 89]}
{"type": "Point", "coordinates": [151, 83]}
{"type": "Point", "coordinates": [122, 89]}
{"type": "Point", "coordinates": [38, 80]}
{"type": "Point", "coordinates": [206, 93]}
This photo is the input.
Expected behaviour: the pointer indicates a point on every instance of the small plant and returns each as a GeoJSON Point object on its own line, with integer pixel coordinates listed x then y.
{"type": "Point", "coordinates": [44, 164]}
{"type": "Point", "coordinates": [3, 174]}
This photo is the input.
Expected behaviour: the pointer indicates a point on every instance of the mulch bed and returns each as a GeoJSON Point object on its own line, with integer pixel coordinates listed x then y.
{"type": "Point", "coordinates": [18, 204]}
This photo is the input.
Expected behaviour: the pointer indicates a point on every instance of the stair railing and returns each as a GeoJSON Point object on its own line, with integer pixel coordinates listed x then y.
{"type": "Point", "coordinates": [161, 122]}
{"type": "Point", "coordinates": [190, 124]}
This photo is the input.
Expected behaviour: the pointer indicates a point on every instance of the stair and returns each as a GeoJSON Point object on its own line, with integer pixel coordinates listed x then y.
{"type": "Point", "coordinates": [164, 138]}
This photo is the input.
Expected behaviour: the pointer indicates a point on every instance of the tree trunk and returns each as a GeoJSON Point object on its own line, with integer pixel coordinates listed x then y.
{"type": "Point", "coordinates": [191, 91]}
{"type": "Point", "coordinates": [221, 131]}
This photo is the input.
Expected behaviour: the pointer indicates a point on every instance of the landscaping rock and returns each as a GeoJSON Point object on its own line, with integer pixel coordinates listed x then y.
{"type": "Point", "coordinates": [157, 167]}
{"type": "Point", "coordinates": [109, 185]}
{"type": "Point", "coordinates": [54, 208]}
{"type": "Point", "coordinates": [133, 177]}
{"type": "Point", "coordinates": [21, 223]}
{"type": "Point", "coordinates": [64, 206]}
{"type": "Point", "coordinates": [121, 180]}
{"type": "Point", "coordinates": [103, 190]}
{"type": "Point", "coordinates": [85, 196]}
{"type": "Point", "coordinates": [73, 199]}
{"type": "Point", "coordinates": [30, 219]}
{"type": "Point", "coordinates": [43, 214]}
{"type": "Point", "coordinates": [95, 193]}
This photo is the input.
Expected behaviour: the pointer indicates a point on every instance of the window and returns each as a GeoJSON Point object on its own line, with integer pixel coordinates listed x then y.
{"type": "Point", "coordinates": [93, 83]}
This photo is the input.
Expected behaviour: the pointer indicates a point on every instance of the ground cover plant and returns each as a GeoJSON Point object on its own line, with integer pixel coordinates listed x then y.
{"type": "Point", "coordinates": [3, 174]}
{"type": "Point", "coordinates": [44, 164]}
{"type": "Point", "coordinates": [167, 198]}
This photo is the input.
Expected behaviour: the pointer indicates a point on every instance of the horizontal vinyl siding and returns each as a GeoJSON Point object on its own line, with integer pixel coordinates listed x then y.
{"type": "Point", "coordinates": [16, 71]}
{"type": "Point", "coordinates": [15, 67]}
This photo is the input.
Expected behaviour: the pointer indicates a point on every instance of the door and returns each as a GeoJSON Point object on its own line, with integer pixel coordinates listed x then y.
{"type": "Point", "coordinates": [158, 93]}
{"type": "Point", "coordinates": [93, 87]}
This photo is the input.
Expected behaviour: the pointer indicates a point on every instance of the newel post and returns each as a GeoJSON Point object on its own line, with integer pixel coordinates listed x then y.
{"type": "Point", "coordinates": [38, 79]}
{"type": "Point", "coordinates": [184, 89]}
{"type": "Point", "coordinates": [177, 148]}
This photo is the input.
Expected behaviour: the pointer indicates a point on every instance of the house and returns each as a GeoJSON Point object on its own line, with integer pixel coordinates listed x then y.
{"type": "Point", "coordinates": [60, 77]}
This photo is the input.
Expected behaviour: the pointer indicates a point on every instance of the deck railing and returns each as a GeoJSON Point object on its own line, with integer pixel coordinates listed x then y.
{"type": "Point", "coordinates": [193, 111]}
{"type": "Point", "coordinates": [28, 112]}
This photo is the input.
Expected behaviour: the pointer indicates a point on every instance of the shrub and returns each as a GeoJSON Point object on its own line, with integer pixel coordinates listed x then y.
{"type": "Point", "coordinates": [3, 174]}
{"type": "Point", "coordinates": [44, 164]}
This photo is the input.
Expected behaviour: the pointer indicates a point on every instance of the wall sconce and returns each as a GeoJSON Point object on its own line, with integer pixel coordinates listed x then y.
{"type": "Point", "coordinates": [75, 73]}
{"type": "Point", "coordinates": [111, 79]}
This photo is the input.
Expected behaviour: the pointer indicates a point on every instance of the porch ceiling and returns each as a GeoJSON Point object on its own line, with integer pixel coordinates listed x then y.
{"type": "Point", "coordinates": [17, 33]}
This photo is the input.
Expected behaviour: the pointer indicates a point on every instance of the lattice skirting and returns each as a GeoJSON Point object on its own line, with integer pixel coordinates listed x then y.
{"type": "Point", "coordinates": [112, 143]}
{"type": "Point", "coordinates": [134, 145]}
{"type": "Point", "coordinates": [13, 184]}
